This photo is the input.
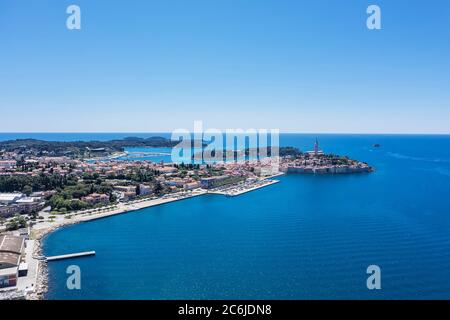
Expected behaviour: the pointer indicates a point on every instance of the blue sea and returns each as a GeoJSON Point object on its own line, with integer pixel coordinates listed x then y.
{"type": "Point", "coordinates": [307, 237]}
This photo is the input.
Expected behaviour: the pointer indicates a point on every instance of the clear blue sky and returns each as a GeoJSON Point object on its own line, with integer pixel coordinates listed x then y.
{"type": "Point", "coordinates": [158, 65]}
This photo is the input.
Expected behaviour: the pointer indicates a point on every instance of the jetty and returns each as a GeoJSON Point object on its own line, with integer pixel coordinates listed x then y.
{"type": "Point", "coordinates": [236, 190]}
{"type": "Point", "coordinates": [71, 255]}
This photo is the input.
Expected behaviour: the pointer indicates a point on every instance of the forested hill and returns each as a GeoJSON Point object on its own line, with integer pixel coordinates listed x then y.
{"type": "Point", "coordinates": [79, 148]}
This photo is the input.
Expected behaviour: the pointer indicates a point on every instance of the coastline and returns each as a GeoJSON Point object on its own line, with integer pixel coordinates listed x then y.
{"type": "Point", "coordinates": [43, 229]}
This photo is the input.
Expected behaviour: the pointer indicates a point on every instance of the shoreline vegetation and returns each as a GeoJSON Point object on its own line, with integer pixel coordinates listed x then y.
{"type": "Point", "coordinates": [49, 185]}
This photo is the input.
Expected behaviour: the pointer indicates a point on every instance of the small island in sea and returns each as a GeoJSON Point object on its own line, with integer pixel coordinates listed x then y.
{"type": "Point", "coordinates": [45, 185]}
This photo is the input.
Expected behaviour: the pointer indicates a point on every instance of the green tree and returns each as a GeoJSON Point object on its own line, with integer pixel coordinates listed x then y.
{"type": "Point", "coordinates": [27, 190]}
{"type": "Point", "coordinates": [17, 222]}
{"type": "Point", "coordinates": [112, 198]}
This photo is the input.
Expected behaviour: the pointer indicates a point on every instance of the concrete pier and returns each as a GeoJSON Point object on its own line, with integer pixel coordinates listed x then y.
{"type": "Point", "coordinates": [71, 255]}
{"type": "Point", "coordinates": [237, 190]}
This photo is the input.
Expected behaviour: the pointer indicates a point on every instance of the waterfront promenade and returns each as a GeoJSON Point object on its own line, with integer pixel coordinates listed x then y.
{"type": "Point", "coordinates": [40, 229]}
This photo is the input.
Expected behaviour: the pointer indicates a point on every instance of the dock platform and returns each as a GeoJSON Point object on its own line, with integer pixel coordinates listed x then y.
{"type": "Point", "coordinates": [71, 255]}
{"type": "Point", "coordinates": [241, 190]}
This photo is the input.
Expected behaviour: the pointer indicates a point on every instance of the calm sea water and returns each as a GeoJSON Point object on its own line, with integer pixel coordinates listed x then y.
{"type": "Point", "coordinates": [308, 237]}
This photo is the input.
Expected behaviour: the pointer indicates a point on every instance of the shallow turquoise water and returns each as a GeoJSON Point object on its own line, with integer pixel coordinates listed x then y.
{"type": "Point", "coordinates": [306, 237]}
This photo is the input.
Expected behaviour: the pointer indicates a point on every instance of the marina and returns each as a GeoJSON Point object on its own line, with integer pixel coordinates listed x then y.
{"type": "Point", "coordinates": [242, 188]}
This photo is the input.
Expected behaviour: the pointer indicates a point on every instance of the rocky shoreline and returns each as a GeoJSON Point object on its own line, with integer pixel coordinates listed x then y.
{"type": "Point", "coordinates": [41, 286]}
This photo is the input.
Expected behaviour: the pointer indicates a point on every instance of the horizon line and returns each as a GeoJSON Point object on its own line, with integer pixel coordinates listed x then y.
{"type": "Point", "coordinates": [169, 132]}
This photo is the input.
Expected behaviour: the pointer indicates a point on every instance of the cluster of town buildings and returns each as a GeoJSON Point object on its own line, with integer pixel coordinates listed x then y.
{"type": "Point", "coordinates": [321, 165]}
{"type": "Point", "coordinates": [117, 174]}
{"type": "Point", "coordinates": [172, 177]}
{"type": "Point", "coordinates": [316, 162]}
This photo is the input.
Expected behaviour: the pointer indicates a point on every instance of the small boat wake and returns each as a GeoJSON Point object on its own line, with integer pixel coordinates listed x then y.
{"type": "Point", "coordinates": [406, 157]}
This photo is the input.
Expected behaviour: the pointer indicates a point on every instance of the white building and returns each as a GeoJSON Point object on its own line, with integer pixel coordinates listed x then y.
{"type": "Point", "coordinates": [192, 185]}
{"type": "Point", "coordinates": [145, 190]}
{"type": "Point", "coordinates": [9, 198]}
